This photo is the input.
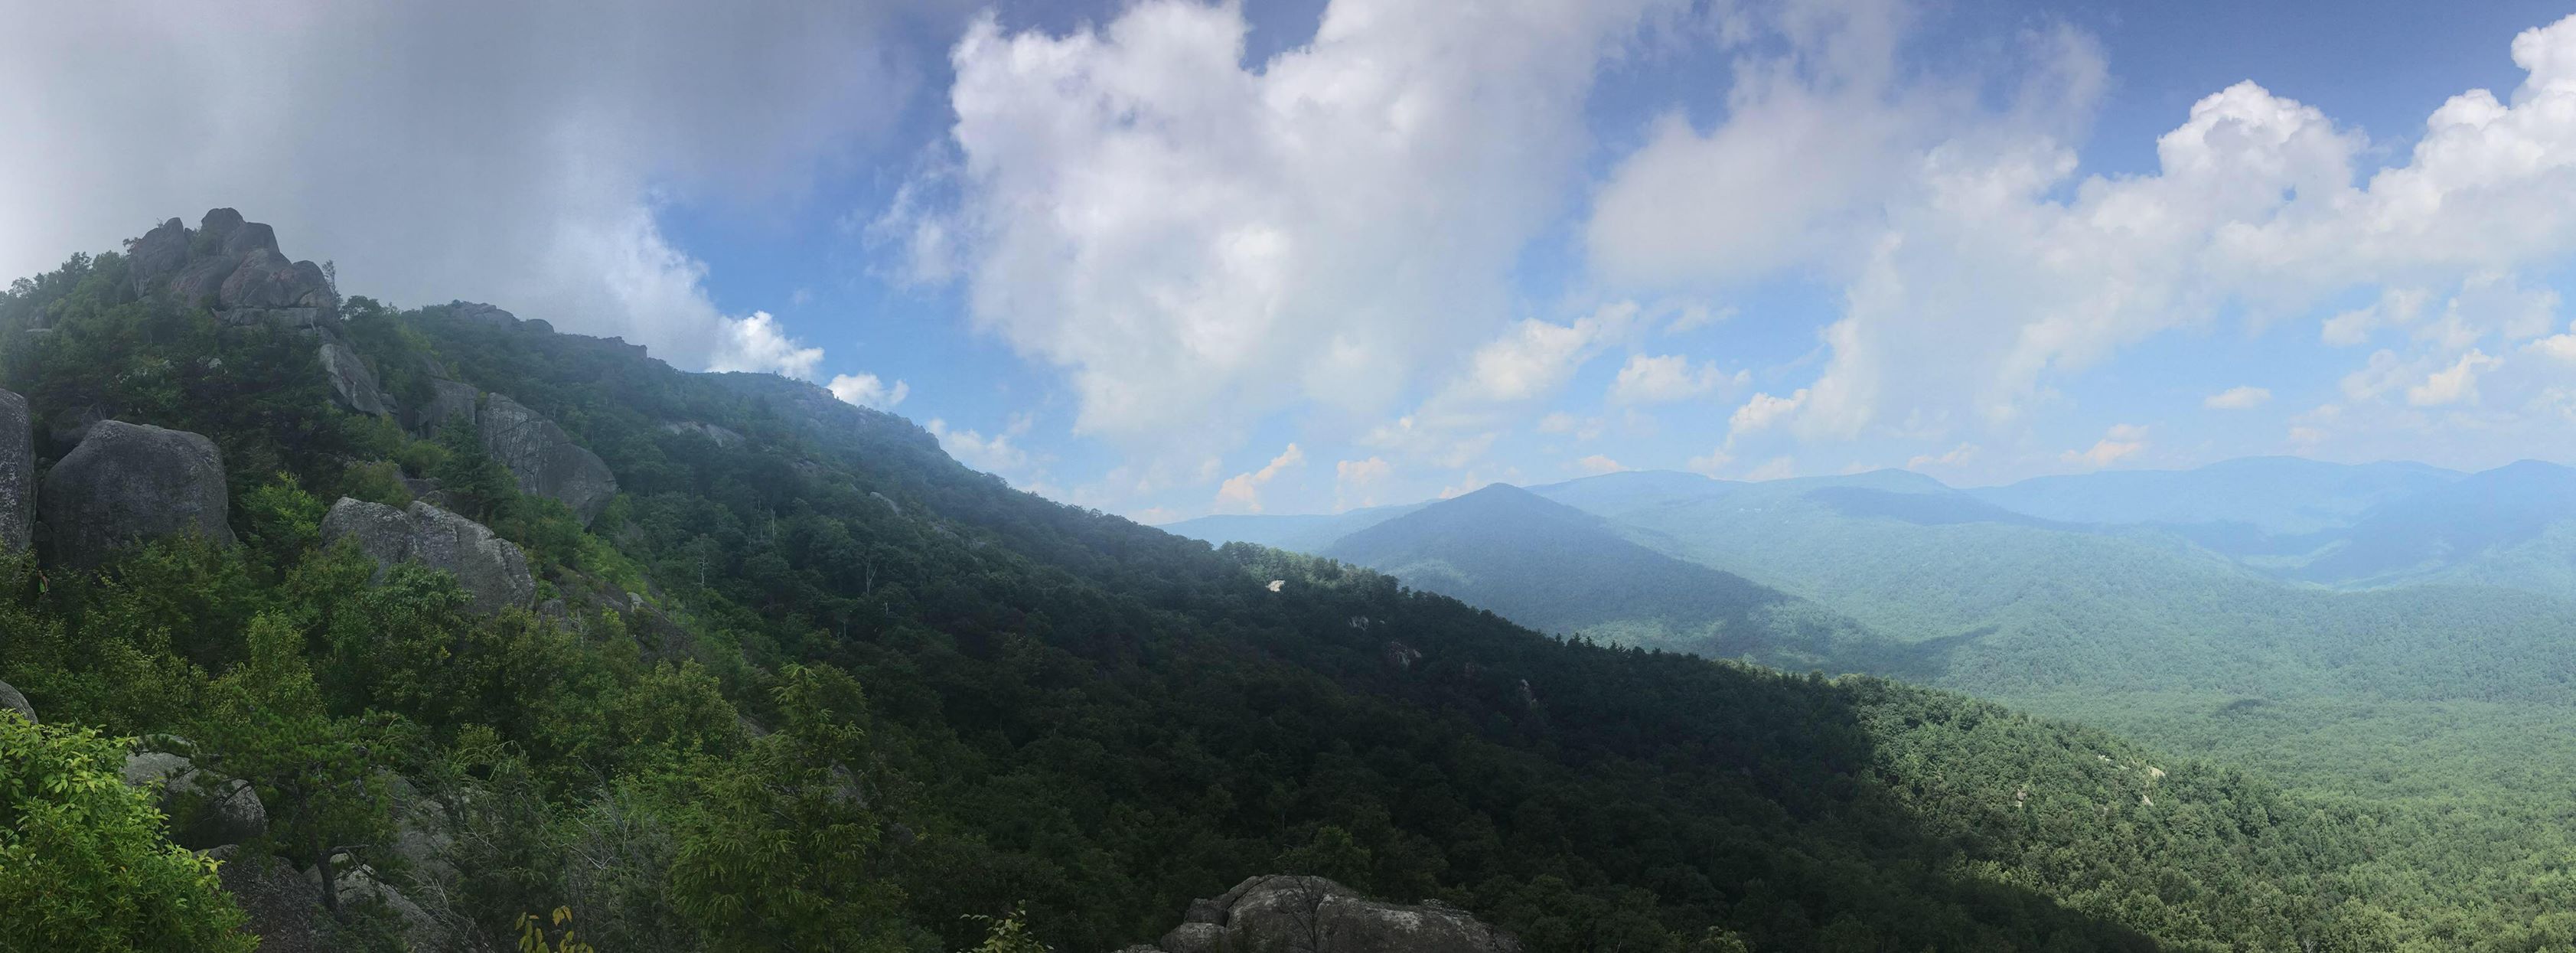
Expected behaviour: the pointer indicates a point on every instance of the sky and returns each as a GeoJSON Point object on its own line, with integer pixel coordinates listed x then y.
{"type": "Point", "coordinates": [1170, 258]}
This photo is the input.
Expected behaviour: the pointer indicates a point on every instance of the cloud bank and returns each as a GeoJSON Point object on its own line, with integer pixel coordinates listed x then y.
{"type": "Point", "coordinates": [515, 153]}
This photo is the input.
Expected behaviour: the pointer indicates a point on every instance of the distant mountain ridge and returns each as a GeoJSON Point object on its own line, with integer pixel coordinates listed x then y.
{"type": "Point", "coordinates": [2274, 494]}
{"type": "Point", "coordinates": [1559, 569]}
{"type": "Point", "coordinates": [2345, 526]}
{"type": "Point", "coordinates": [2431, 591]}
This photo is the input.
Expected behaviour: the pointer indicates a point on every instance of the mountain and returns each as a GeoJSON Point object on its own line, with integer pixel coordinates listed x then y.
{"type": "Point", "coordinates": [801, 681]}
{"type": "Point", "coordinates": [2477, 527]}
{"type": "Point", "coordinates": [2273, 495]}
{"type": "Point", "coordinates": [1555, 568]}
{"type": "Point", "coordinates": [2129, 627]}
{"type": "Point", "coordinates": [1298, 533]}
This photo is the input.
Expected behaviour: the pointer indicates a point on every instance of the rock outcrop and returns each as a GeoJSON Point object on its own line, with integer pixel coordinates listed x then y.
{"type": "Point", "coordinates": [476, 312]}
{"type": "Point", "coordinates": [206, 810]}
{"type": "Point", "coordinates": [17, 474]}
{"type": "Point", "coordinates": [357, 883]}
{"type": "Point", "coordinates": [448, 401]}
{"type": "Point", "coordinates": [722, 437]}
{"type": "Point", "coordinates": [352, 385]}
{"type": "Point", "coordinates": [234, 268]}
{"type": "Point", "coordinates": [544, 458]}
{"type": "Point", "coordinates": [490, 569]}
{"type": "Point", "coordinates": [132, 483]}
{"type": "Point", "coordinates": [11, 700]}
{"type": "Point", "coordinates": [1316, 915]}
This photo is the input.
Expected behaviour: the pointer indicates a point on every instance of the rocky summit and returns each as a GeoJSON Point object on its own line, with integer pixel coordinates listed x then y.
{"type": "Point", "coordinates": [232, 267]}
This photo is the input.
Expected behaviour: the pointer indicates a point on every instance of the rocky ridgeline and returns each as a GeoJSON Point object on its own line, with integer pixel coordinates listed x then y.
{"type": "Point", "coordinates": [1315, 915]}
{"type": "Point", "coordinates": [233, 268]}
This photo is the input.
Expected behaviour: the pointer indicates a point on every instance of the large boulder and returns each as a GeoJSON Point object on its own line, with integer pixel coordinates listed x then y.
{"type": "Point", "coordinates": [1316, 915]}
{"type": "Point", "coordinates": [132, 483]}
{"type": "Point", "coordinates": [544, 458]}
{"type": "Point", "coordinates": [352, 385]}
{"type": "Point", "coordinates": [267, 287]}
{"type": "Point", "coordinates": [448, 400]}
{"type": "Point", "coordinates": [490, 569]}
{"type": "Point", "coordinates": [216, 229]}
{"type": "Point", "coordinates": [247, 237]}
{"type": "Point", "coordinates": [11, 700]}
{"type": "Point", "coordinates": [155, 256]}
{"type": "Point", "coordinates": [206, 809]}
{"type": "Point", "coordinates": [200, 283]}
{"type": "Point", "coordinates": [17, 474]}
{"type": "Point", "coordinates": [233, 267]}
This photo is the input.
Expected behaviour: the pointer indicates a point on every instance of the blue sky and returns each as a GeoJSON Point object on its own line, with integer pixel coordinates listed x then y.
{"type": "Point", "coordinates": [1169, 258]}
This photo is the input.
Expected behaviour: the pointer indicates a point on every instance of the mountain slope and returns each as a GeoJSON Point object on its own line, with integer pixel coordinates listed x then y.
{"type": "Point", "coordinates": [2450, 531]}
{"type": "Point", "coordinates": [1555, 568]}
{"type": "Point", "coordinates": [807, 683]}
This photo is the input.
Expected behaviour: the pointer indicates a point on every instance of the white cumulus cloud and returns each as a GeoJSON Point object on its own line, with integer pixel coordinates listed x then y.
{"type": "Point", "coordinates": [1188, 234]}
{"type": "Point", "coordinates": [1244, 489]}
{"type": "Point", "coordinates": [868, 390]}
{"type": "Point", "coordinates": [1988, 271]}
{"type": "Point", "coordinates": [1762, 411]}
{"type": "Point", "coordinates": [1663, 378]}
{"type": "Point", "coordinates": [2119, 443]}
{"type": "Point", "coordinates": [2453, 384]}
{"type": "Point", "coordinates": [2237, 398]}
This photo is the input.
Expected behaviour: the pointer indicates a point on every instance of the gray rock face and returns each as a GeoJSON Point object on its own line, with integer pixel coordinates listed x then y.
{"type": "Point", "coordinates": [475, 312]}
{"type": "Point", "coordinates": [448, 401]}
{"type": "Point", "coordinates": [357, 883]}
{"type": "Point", "coordinates": [235, 268]}
{"type": "Point", "coordinates": [267, 287]}
{"type": "Point", "coordinates": [155, 256]}
{"type": "Point", "coordinates": [247, 237]}
{"type": "Point", "coordinates": [206, 810]}
{"type": "Point", "coordinates": [1318, 915]}
{"type": "Point", "coordinates": [218, 225]}
{"type": "Point", "coordinates": [544, 458]}
{"type": "Point", "coordinates": [132, 483]}
{"type": "Point", "coordinates": [200, 283]}
{"type": "Point", "coordinates": [11, 700]}
{"type": "Point", "coordinates": [490, 569]}
{"type": "Point", "coordinates": [17, 474]}
{"type": "Point", "coordinates": [352, 385]}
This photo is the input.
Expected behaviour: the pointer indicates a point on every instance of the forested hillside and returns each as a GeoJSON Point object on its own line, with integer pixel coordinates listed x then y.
{"type": "Point", "coordinates": [741, 667]}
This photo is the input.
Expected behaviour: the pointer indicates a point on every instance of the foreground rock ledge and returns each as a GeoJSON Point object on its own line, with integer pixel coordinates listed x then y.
{"type": "Point", "coordinates": [1282, 912]}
